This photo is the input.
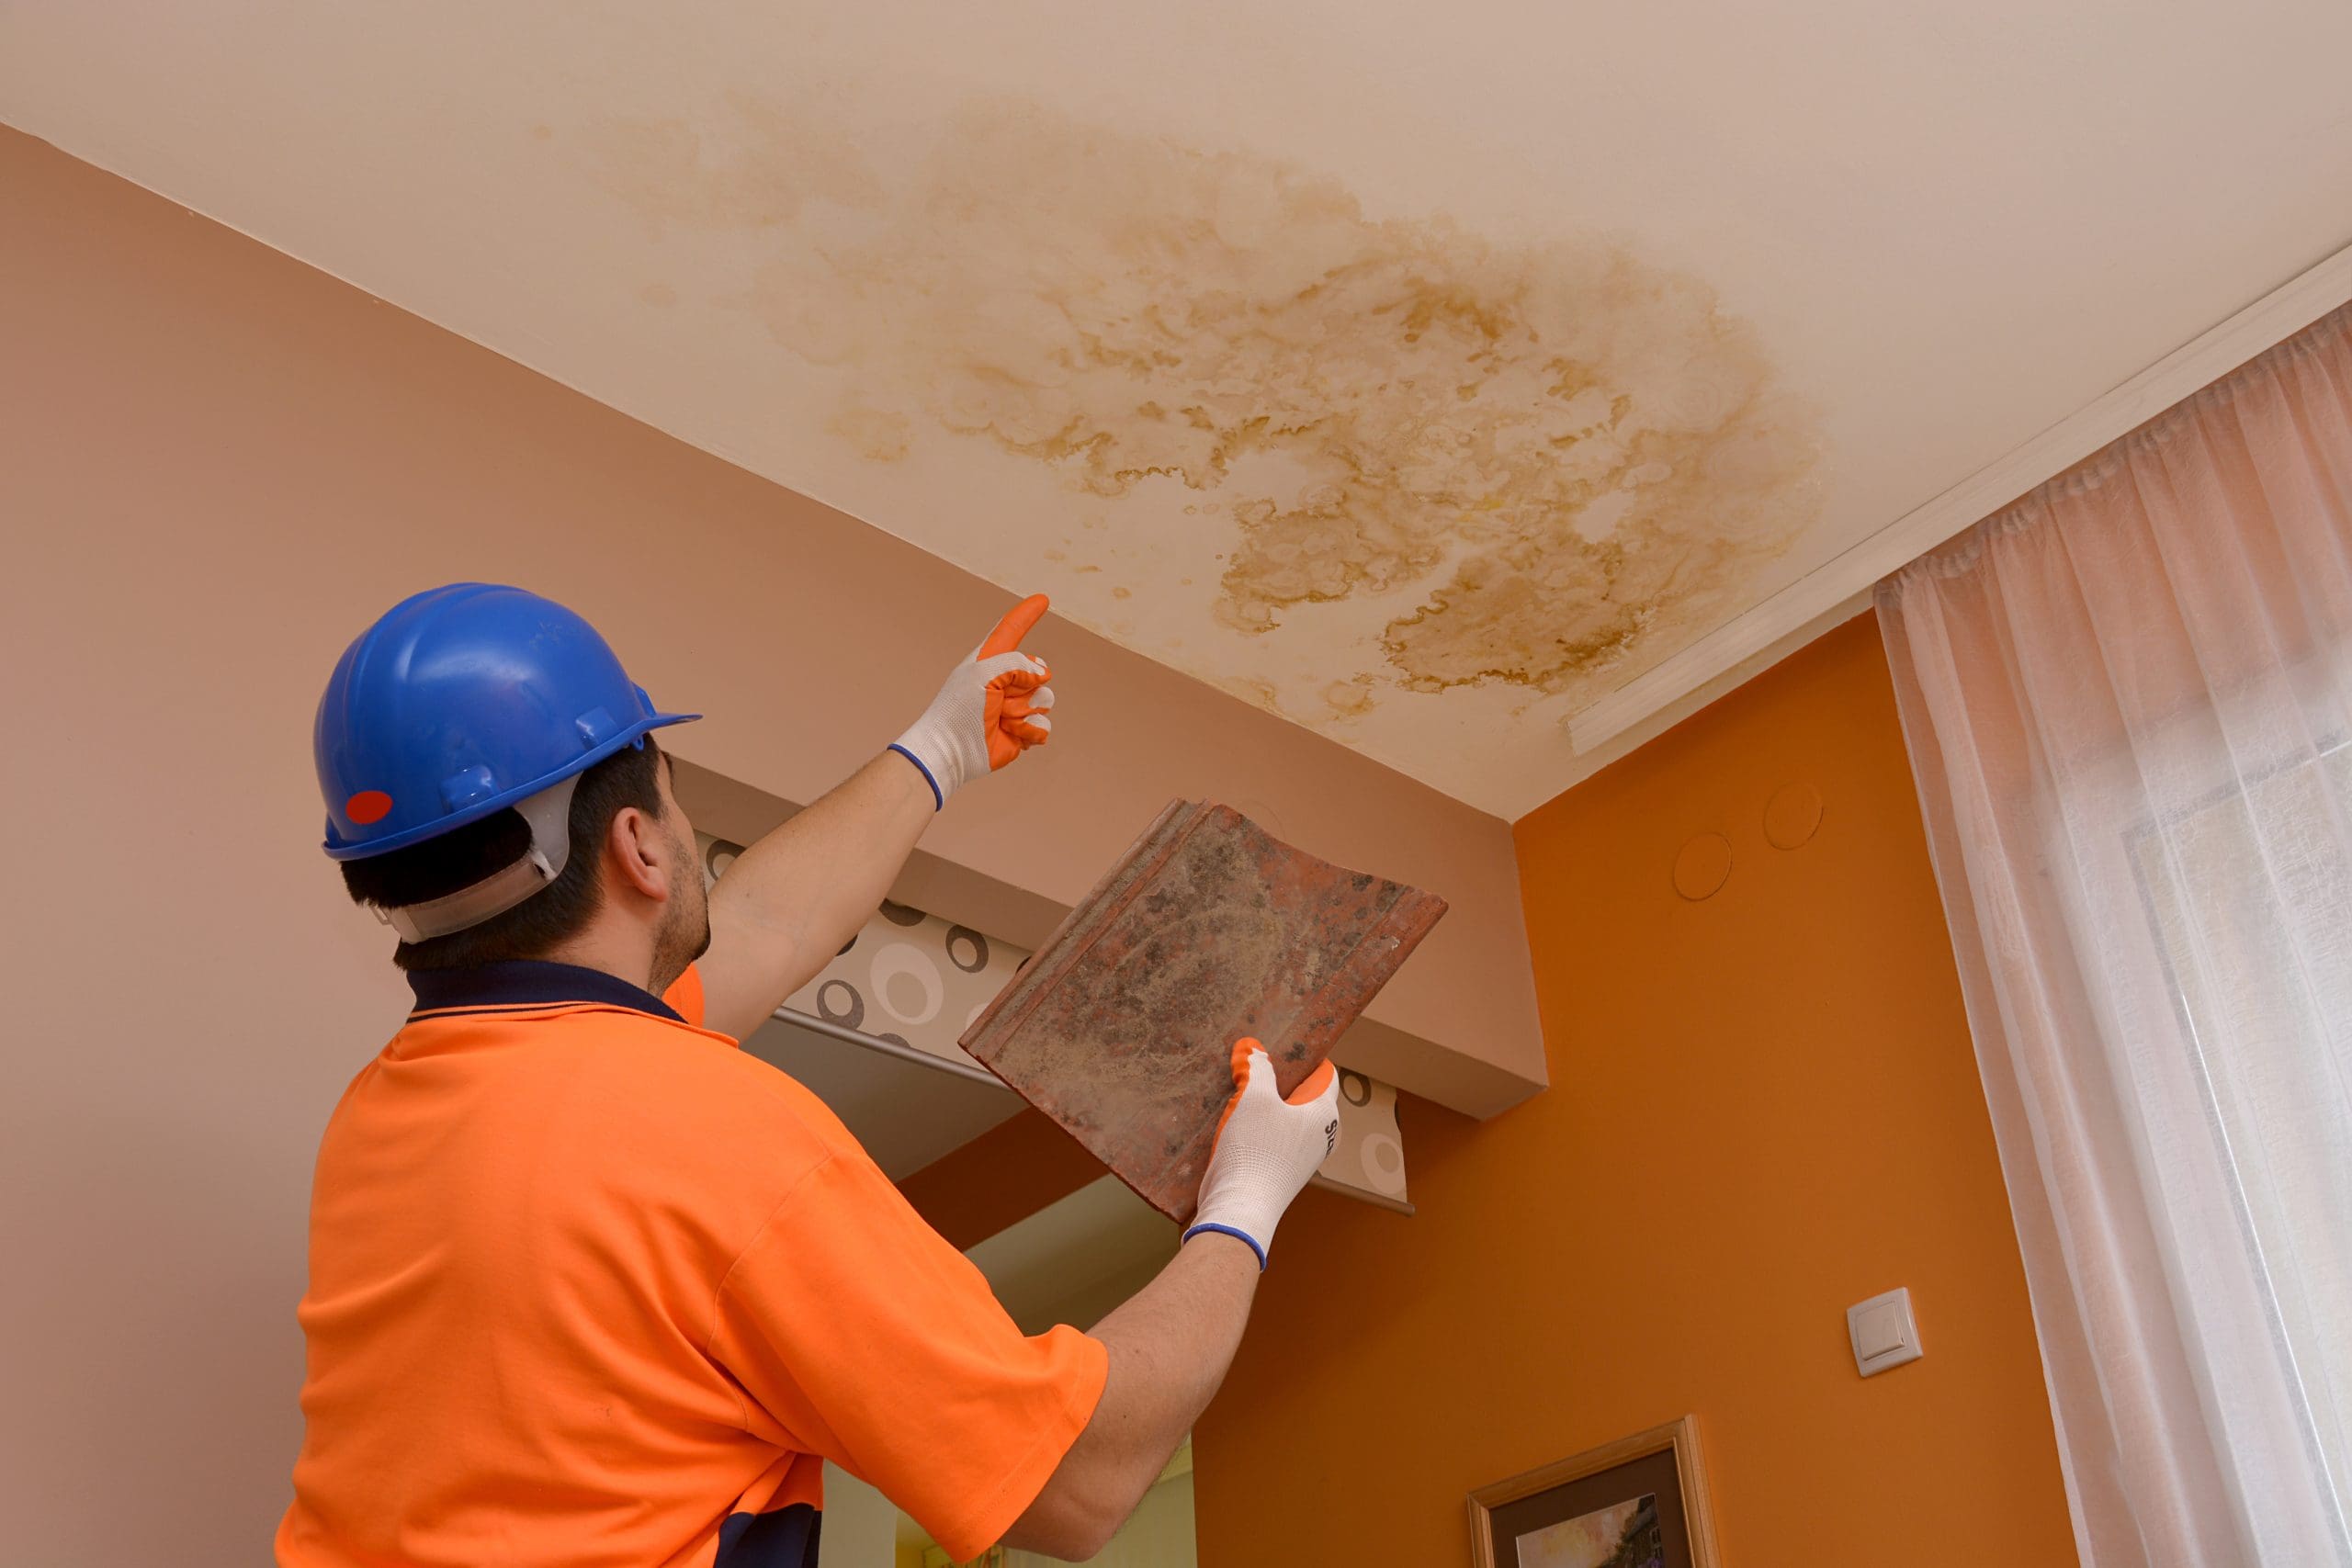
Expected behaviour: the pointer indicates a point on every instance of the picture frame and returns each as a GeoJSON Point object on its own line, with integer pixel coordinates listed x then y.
{"type": "Point", "coordinates": [1639, 1501]}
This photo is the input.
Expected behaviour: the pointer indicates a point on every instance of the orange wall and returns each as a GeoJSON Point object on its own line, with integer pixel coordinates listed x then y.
{"type": "Point", "coordinates": [1764, 1108]}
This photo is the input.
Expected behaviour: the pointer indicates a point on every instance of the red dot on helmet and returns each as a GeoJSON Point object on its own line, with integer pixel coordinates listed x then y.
{"type": "Point", "coordinates": [368, 806]}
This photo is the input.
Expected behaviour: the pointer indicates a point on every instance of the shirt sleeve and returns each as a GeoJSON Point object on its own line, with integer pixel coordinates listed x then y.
{"type": "Point", "coordinates": [684, 995]}
{"type": "Point", "coordinates": [873, 1343]}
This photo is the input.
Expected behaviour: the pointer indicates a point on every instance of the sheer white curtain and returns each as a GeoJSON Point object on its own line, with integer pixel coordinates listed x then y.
{"type": "Point", "coordinates": [2129, 703]}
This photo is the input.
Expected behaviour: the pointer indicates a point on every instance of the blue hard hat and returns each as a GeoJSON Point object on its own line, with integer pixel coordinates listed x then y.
{"type": "Point", "coordinates": [461, 701]}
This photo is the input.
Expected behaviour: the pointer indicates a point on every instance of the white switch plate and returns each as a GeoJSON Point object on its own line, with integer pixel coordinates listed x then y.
{"type": "Point", "coordinates": [1883, 1332]}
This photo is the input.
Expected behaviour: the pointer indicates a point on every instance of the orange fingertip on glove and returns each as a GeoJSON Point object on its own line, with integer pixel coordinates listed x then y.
{"type": "Point", "coordinates": [1018, 700]}
{"type": "Point", "coordinates": [1018, 622]}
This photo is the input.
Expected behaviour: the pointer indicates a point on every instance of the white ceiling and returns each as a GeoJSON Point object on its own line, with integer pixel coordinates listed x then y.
{"type": "Point", "coordinates": [1423, 373]}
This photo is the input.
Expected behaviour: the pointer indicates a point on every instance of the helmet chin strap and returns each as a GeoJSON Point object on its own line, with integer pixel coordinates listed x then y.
{"type": "Point", "coordinates": [549, 815]}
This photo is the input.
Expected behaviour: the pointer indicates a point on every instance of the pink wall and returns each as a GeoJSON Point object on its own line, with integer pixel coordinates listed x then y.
{"type": "Point", "coordinates": [215, 465]}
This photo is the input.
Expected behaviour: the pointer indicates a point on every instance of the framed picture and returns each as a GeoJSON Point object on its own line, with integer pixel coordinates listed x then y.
{"type": "Point", "coordinates": [1640, 1502]}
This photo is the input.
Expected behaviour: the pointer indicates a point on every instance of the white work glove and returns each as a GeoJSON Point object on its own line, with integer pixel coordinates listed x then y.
{"type": "Point", "coordinates": [992, 708]}
{"type": "Point", "coordinates": [1267, 1147]}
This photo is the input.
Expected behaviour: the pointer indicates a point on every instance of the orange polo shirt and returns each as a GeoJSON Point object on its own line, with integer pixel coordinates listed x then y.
{"type": "Point", "coordinates": [590, 1285]}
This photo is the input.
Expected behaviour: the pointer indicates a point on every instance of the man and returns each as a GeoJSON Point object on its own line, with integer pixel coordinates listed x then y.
{"type": "Point", "coordinates": [590, 1285]}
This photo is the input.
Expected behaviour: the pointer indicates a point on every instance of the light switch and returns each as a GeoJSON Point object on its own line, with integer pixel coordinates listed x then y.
{"type": "Point", "coordinates": [1884, 1332]}
{"type": "Point", "coordinates": [1878, 1331]}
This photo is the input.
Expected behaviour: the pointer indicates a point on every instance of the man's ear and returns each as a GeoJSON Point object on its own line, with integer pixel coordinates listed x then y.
{"type": "Point", "coordinates": [641, 853]}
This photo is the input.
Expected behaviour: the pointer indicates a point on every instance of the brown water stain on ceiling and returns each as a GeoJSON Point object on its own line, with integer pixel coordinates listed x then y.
{"type": "Point", "coordinates": [1556, 457]}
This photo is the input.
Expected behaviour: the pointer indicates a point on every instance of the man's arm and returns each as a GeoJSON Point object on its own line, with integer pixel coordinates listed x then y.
{"type": "Point", "coordinates": [786, 905]}
{"type": "Point", "coordinates": [790, 901]}
{"type": "Point", "coordinates": [1171, 1343]}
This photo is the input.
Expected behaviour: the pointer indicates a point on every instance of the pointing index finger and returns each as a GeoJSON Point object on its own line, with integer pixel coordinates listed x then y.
{"type": "Point", "coordinates": [1014, 626]}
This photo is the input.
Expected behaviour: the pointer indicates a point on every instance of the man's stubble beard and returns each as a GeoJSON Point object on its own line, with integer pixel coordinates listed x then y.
{"type": "Point", "coordinates": [686, 936]}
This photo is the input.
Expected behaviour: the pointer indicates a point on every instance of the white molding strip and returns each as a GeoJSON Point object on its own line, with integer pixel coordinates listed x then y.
{"type": "Point", "coordinates": [2196, 364]}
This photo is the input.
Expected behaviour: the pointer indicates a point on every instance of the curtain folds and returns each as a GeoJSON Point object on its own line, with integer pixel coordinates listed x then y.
{"type": "Point", "coordinates": [2128, 698]}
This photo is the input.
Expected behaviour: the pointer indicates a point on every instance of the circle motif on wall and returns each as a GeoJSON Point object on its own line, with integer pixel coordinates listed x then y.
{"type": "Point", "coordinates": [973, 943]}
{"type": "Point", "coordinates": [1383, 1160]}
{"type": "Point", "coordinates": [900, 915]}
{"type": "Point", "coordinates": [838, 1002]}
{"type": "Point", "coordinates": [1354, 1088]}
{"type": "Point", "coordinates": [1702, 867]}
{"type": "Point", "coordinates": [901, 967]}
{"type": "Point", "coordinates": [1793, 815]}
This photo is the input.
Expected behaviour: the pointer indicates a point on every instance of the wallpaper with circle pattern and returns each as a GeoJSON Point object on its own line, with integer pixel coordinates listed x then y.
{"type": "Point", "coordinates": [918, 981]}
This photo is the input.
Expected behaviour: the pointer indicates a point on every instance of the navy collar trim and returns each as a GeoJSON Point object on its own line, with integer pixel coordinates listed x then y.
{"type": "Point", "coordinates": [528, 983]}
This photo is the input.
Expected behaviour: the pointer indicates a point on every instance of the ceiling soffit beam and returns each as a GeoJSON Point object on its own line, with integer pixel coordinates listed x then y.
{"type": "Point", "coordinates": [1441, 1070]}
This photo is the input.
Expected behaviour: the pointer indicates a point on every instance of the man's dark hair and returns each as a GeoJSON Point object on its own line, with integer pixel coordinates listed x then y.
{"type": "Point", "coordinates": [548, 918]}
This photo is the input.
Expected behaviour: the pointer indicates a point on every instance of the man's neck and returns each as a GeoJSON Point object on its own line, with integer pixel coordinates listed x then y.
{"type": "Point", "coordinates": [613, 953]}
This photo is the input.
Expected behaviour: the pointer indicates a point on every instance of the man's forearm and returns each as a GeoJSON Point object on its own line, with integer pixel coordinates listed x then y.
{"type": "Point", "coordinates": [795, 898]}
{"type": "Point", "coordinates": [1169, 1345]}
{"type": "Point", "coordinates": [790, 901]}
